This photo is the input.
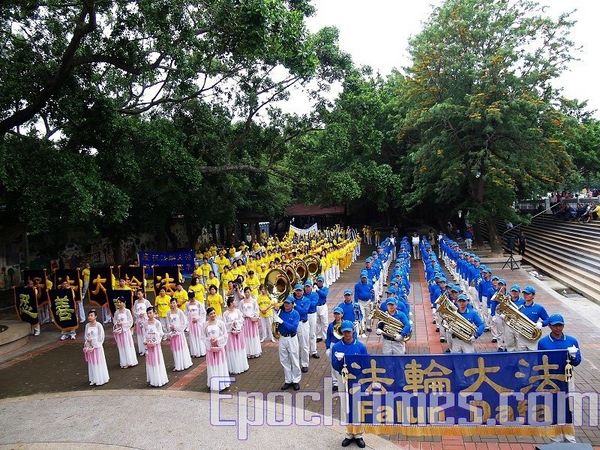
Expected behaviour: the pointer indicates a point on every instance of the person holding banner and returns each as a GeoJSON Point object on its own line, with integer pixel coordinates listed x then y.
{"type": "Point", "coordinates": [177, 324]}
{"type": "Point", "coordinates": [123, 321]}
{"type": "Point", "coordinates": [140, 306]}
{"type": "Point", "coordinates": [72, 334]}
{"type": "Point", "coordinates": [94, 352]}
{"type": "Point", "coordinates": [196, 316]}
{"type": "Point", "coordinates": [214, 334]}
{"type": "Point", "coordinates": [156, 372]}
{"type": "Point", "coordinates": [458, 345]}
{"type": "Point", "coordinates": [348, 345]}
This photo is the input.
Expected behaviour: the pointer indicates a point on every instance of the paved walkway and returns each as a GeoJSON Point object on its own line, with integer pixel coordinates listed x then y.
{"type": "Point", "coordinates": [59, 367]}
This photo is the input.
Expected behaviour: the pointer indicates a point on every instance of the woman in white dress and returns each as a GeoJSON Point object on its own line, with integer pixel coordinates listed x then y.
{"type": "Point", "coordinates": [196, 315]}
{"type": "Point", "coordinates": [179, 347]}
{"type": "Point", "coordinates": [214, 334]}
{"type": "Point", "coordinates": [250, 311]}
{"type": "Point", "coordinates": [156, 372]}
{"type": "Point", "coordinates": [139, 316]}
{"type": "Point", "coordinates": [94, 352]}
{"type": "Point", "coordinates": [123, 321]}
{"type": "Point", "coordinates": [237, 359]}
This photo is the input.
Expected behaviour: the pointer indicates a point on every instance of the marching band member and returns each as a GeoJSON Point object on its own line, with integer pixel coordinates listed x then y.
{"type": "Point", "coordinates": [458, 345]}
{"type": "Point", "coordinates": [363, 294]}
{"type": "Point", "coordinates": [94, 352]}
{"type": "Point", "coordinates": [156, 372]}
{"type": "Point", "coordinates": [196, 316]}
{"type": "Point", "coordinates": [237, 358]}
{"type": "Point", "coordinates": [140, 306]}
{"type": "Point", "coordinates": [348, 345]}
{"type": "Point", "coordinates": [485, 287]}
{"type": "Point", "coordinates": [536, 313]}
{"type": "Point", "coordinates": [332, 339]}
{"type": "Point", "coordinates": [442, 283]}
{"type": "Point", "coordinates": [302, 304]}
{"type": "Point", "coordinates": [214, 333]}
{"type": "Point", "coordinates": [322, 309]}
{"type": "Point", "coordinates": [179, 347]}
{"type": "Point", "coordinates": [289, 320]}
{"type": "Point", "coordinates": [394, 345]}
{"type": "Point", "coordinates": [495, 322]}
{"type": "Point", "coordinates": [123, 321]}
{"type": "Point", "coordinates": [558, 340]}
{"type": "Point", "coordinates": [350, 309]}
{"type": "Point", "coordinates": [265, 305]}
{"type": "Point", "coordinates": [250, 311]}
{"type": "Point", "coordinates": [312, 317]}
{"type": "Point", "coordinates": [510, 335]}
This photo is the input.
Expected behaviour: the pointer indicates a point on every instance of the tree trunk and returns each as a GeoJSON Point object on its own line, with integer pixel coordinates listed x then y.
{"type": "Point", "coordinates": [170, 236]}
{"type": "Point", "coordinates": [477, 233]}
{"type": "Point", "coordinates": [495, 241]}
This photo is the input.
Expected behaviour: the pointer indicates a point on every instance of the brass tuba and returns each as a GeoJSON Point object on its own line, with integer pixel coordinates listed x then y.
{"type": "Point", "coordinates": [337, 331]}
{"type": "Point", "coordinates": [301, 269]}
{"type": "Point", "coordinates": [391, 325]}
{"type": "Point", "coordinates": [313, 265]}
{"type": "Point", "coordinates": [514, 318]}
{"type": "Point", "coordinates": [279, 287]}
{"type": "Point", "coordinates": [454, 322]}
{"type": "Point", "coordinates": [291, 273]}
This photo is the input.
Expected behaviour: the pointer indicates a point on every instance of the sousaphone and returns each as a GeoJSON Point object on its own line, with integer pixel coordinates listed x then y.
{"type": "Point", "coordinates": [313, 265]}
{"type": "Point", "coordinates": [301, 269]}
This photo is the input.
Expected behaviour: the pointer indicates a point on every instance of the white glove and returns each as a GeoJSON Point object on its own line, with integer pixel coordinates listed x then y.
{"type": "Point", "coordinates": [339, 356]}
{"type": "Point", "coordinates": [379, 331]}
{"type": "Point", "coordinates": [538, 325]}
{"type": "Point", "coordinates": [397, 337]}
{"type": "Point", "coordinates": [502, 316]}
{"type": "Point", "coordinates": [277, 319]}
{"type": "Point", "coordinates": [410, 314]}
{"type": "Point", "coordinates": [572, 351]}
{"type": "Point", "coordinates": [473, 338]}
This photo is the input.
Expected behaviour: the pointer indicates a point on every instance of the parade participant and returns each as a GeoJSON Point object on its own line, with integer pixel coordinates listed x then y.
{"type": "Point", "coordinates": [557, 340]}
{"type": "Point", "coordinates": [348, 345]}
{"type": "Point", "coordinates": [289, 320]}
{"type": "Point", "coordinates": [156, 372]}
{"type": "Point", "coordinates": [265, 305]}
{"type": "Point", "coordinates": [394, 344]}
{"type": "Point", "coordinates": [205, 269]}
{"type": "Point", "coordinates": [212, 280]}
{"type": "Point", "coordinates": [140, 306]}
{"type": "Point", "coordinates": [162, 302]}
{"type": "Point", "coordinates": [350, 309]}
{"type": "Point", "coordinates": [179, 347]}
{"type": "Point", "coordinates": [123, 321]}
{"type": "Point", "coordinates": [64, 335]}
{"type": "Point", "coordinates": [196, 316]}
{"type": "Point", "coordinates": [322, 309]}
{"type": "Point", "coordinates": [458, 345]}
{"type": "Point", "coordinates": [302, 304]}
{"type": "Point", "coordinates": [510, 335]}
{"type": "Point", "coordinates": [94, 352]}
{"type": "Point", "coordinates": [85, 273]}
{"type": "Point", "coordinates": [214, 300]}
{"type": "Point", "coordinates": [181, 296]}
{"type": "Point", "coordinates": [253, 282]}
{"type": "Point", "coordinates": [235, 350]}
{"type": "Point", "coordinates": [312, 317]}
{"type": "Point", "coordinates": [363, 294]}
{"type": "Point", "coordinates": [332, 339]}
{"type": "Point", "coordinates": [198, 288]}
{"type": "Point", "coordinates": [250, 311]}
{"type": "Point", "coordinates": [214, 333]}
{"type": "Point", "coordinates": [534, 312]}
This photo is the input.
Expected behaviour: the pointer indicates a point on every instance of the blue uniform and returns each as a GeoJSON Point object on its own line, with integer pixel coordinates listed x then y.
{"type": "Point", "coordinates": [302, 305]}
{"type": "Point", "coordinates": [313, 298]}
{"type": "Point", "coordinates": [322, 293]}
{"type": "Point", "coordinates": [402, 318]}
{"type": "Point", "coordinates": [331, 339]}
{"type": "Point", "coordinates": [349, 310]}
{"type": "Point", "coordinates": [362, 291]}
{"type": "Point", "coordinates": [290, 322]}
{"type": "Point", "coordinates": [354, 348]}
{"type": "Point", "coordinates": [402, 307]}
{"type": "Point", "coordinates": [549, 343]}
{"type": "Point", "coordinates": [535, 312]}
{"type": "Point", "coordinates": [473, 317]}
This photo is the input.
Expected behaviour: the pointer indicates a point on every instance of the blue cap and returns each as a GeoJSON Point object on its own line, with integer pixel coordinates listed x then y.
{"type": "Point", "coordinates": [515, 287]}
{"type": "Point", "coordinates": [502, 281]}
{"type": "Point", "coordinates": [454, 287]}
{"type": "Point", "coordinates": [391, 301]}
{"type": "Point", "coordinates": [347, 326]}
{"type": "Point", "coordinates": [476, 258]}
{"type": "Point", "coordinates": [487, 269]}
{"type": "Point", "coordinates": [443, 280]}
{"type": "Point", "coordinates": [495, 277]}
{"type": "Point", "coordinates": [338, 310]}
{"type": "Point", "coordinates": [364, 274]}
{"type": "Point", "coordinates": [389, 291]}
{"type": "Point", "coordinates": [347, 292]}
{"type": "Point", "coordinates": [320, 278]}
{"type": "Point", "coordinates": [369, 259]}
{"type": "Point", "coordinates": [288, 300]}
{"type": "Point", "coordinates": [298, 287]}
{"type": "Point", "coordinates": [529, 290]}
{"type": "Point", "coordinates": [308, 282]}
{"type": "Point", "coordinates": [556, 319]}
{"type": "Point", "coordinates": [463, 297]}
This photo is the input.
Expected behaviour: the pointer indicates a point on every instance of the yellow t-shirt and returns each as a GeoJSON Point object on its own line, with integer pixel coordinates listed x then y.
{"type": "Point", "coordinates": [86, 275]}
{"type": "Point", "coordinates": [211, 281]}
{"type": "Point", "coordinates": [199, 292]}
{"type": "Point", "coordinates": [215, 301]}
{"type": "Point", "coordinates": [253, 283]}
{"type": "Point", "coordinates": [197, 271]}
{"type": "Point", "coordinates": [264, 301]}
{"type": "Point", "coordinates": [162, 305]}
{"type": "Point", "coordinates": [221, 261]}
{"type": "Point", "coordinates": [206, 268]}
{"type": "Point", "coordinates": [182, 298]}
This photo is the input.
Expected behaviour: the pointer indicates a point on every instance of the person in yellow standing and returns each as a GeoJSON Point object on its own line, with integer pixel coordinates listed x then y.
{"type": "Point", "coordinates": [252, 281]}
{"type": "Point", "coordinates": [85, 273]}
{"type": "Point", "coordinates": [221, 261]}
{"type": "Point", "coordinates": [214, 300]}
{"type": "Point", "coordinates": [205, 270]}
{"type": "Point", "coordinates": [181, 296]}
{"type": "Point", "coordinates": [162, 303]}
{"type": "Point", "coordinates": [198, 289]}
{"type": "Point", "coordinates": [212, 279]}
{"type": "Point", "coordinates": [265, 305]}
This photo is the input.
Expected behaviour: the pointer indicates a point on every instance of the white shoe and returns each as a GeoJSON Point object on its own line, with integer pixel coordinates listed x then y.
{"type": "Point", "coordinates": [63, 337]}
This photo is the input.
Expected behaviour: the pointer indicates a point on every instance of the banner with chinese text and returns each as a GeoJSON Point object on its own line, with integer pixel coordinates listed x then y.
{"type": "Point", "coordinates": [38, 280]}
{"type": "Point", "coordinates": [184, 258]}
{"type": "Point", "coordinates": [124, 294]}
{"type": "Point", "coordinates": [62, 307]}
{"type": "Point", "coordinates": [134, 277]}
{"type": "Point", "coordinates": [100, 285]}
{"type": "Point", "coordinates": [522, 393]}
{"type": "Point", "coordinates": [71, 276]}
{"type": "Point", "coordinates": [165, 278]}
{"type": "Point", "coordinates": [26, 304]}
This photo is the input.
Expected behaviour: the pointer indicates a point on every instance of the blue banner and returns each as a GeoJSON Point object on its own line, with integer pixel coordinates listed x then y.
{"type": "Point", "coordinates": [509, 389]}
{"type": "Point", "coordinates": [185, 258]}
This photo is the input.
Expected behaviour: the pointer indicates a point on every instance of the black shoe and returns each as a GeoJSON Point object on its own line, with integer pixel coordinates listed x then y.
{"type": "Point", "coordinates": [304, 369]}
{"type": "Point", "coordinates": [447, 350]}
{"type": "Point", "coordinates": [316, 356]}
{"type": "Point", "coordinates": [442, 339]}
{"type": "Point", "coordinates": [296, 386]}
{"type": "Point", "coordinates": [286, 386]}
{"type": "Point", "coordinates": [369, 329]}
{"type": "Point", "coordinates": [334, 389]}
{"type": "Point", "coordinates": [319, 340]}
{"type": "Point", "coordinates": [494, 340]}
{"type": "Point", "coordinates": [346, 442]}
{"type": "Point", "coordinates": [360, 442]}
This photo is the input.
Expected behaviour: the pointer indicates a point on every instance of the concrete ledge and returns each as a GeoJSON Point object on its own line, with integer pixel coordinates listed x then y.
{"type": "Point", "coordinates": [16, 336]}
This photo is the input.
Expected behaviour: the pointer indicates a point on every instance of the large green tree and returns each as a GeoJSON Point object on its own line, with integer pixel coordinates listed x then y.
{"type": "Point", "coordinates": [479, 111]}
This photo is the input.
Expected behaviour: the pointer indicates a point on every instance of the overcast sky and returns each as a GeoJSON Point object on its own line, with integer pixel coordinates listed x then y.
{"type": "Point", "coordinates": [376, 33]}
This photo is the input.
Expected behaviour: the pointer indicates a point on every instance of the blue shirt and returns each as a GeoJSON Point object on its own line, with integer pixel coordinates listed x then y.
{"type": "Point", "coordinates": [402, 307]}
{"type": "Point", "coordinates": [290, 321]}
{"type": "Point", "coordinates": [362, 291]}
{"type": "Point", "coordinates": [473, 317]}
{"type": "Point", "coordinates": [402, 318]}
{"type": "Point", "coordinates": [354, 348]}
{"type": "Point", "coordinates": [549, 343]}
{"type": "Point", "coordinates": [302, 305]}
{"type": "Point", "coordinates": [349, 310]}
{"type": "Point", "coordinates": [313, 297]}
{"type": "Point", "coordinates": [535, 312]}
{"type": "Point", "coordinates": [331, 339]}
{"type": "Point", "coordinates": [322, 293]}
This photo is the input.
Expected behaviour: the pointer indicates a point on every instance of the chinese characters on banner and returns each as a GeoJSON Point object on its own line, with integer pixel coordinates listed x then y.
{"type": "Point", "coordinates": [26, 304]}
{"type": "Point", "coordinates": [165, 278]}
{"type": "Point", "coordinates": [183, 258]}
{"type": "Point", "coordinates": [62, 307]}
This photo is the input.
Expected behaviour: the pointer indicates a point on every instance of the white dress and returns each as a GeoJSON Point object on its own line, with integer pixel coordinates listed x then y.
{"type": "Point", "coordinates": [181, 353]}
{"type": "Point", "coordinates": [140, 317]}
{"type": "Point", "coordinates": [156, 372]}
{"type": "Point", "coordinates": [122, 332]}
{"type": "Point", "coordinates": [250, 311]}
{"type": "Point", "coordinates": [237, 358]}
{"type": "Point", "coordinates": [94, 354]}
{"type": "Point", "coordinates": [196, 315]}
{"type": "Point", "coordinates": [217, 372]}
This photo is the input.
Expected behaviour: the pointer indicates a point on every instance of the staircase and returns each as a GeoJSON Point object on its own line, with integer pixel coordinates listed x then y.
{"type": "Point", "coordinates": [567, 251]}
